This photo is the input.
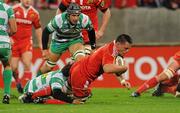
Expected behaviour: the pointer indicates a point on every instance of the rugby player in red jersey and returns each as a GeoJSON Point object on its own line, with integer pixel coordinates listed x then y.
{"type": "Point", "coordinates": [26, 17]}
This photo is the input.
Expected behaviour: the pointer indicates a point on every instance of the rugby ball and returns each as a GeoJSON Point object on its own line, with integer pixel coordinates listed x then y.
{"type": "Point", "coordinates": [119, 61]}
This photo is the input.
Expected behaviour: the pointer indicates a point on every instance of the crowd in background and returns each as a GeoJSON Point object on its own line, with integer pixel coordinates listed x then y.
{"type": "Point", "coordinates": [170, 4]}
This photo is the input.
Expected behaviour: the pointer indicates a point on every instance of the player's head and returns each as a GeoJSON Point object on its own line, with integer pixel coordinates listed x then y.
{"type": "Point", "coordinates": [73, 12]}
{"type": "Point", "coordinates": [123, 43]}
{"type": "Point", "coordinates": [65, 70]}
{"type": "Point", "coordinates": [26, 3]}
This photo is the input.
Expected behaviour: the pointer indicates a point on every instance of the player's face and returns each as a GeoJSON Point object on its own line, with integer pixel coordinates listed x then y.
{"type": "Point", "coordinates": [122, 48]}
{"type": "Point", "coordinates": [74, 18]}
{"type": "Point", "coordinates": [26, 3]}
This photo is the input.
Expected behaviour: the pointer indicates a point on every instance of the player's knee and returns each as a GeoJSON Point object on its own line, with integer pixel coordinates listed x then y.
{"type": "Point", "coordinates": [169, 72]}
{"type": "Point", "coordinates": [50, 64]}
{"type": "Point", "coordinates": [78, 53]}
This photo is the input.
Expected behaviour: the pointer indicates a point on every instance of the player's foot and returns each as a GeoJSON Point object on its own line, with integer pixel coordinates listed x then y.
{"type": "Point", "coordinates": [158, 91]}
{"type": "Point", "coordinates": [26, 98]}
{"type": "Point", "coordinates": [135, 94]}
{"type": "Point", "coordinates": [178, 90]}
{"type": "Point", "coordinates": [6, 99]}
{"type": "Point", "coordinates": [19, 88]}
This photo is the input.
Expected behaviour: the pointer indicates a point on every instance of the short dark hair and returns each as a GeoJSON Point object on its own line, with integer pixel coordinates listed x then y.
{"type": "Point", "coordinates": [124, 38]}
{"type": "Point", "coordinates": [65, 70]}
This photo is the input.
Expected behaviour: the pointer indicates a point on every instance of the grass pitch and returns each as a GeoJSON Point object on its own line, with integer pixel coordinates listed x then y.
{"type": "Point", "coordinates": [102, 101]}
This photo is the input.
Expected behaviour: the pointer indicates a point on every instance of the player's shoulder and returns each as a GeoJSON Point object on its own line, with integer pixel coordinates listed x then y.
{"type": "Point", "coordinates": [34, 10]}
{"type": "Point", "coordinates": [16, 6]}
{"type": "Point", "coordinates": [66, 2]}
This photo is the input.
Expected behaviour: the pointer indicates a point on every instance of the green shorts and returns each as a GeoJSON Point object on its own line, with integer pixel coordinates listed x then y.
{"type": "Point", "coordinates": [5, 51]}
{"type": "Point", "coordinates": [58, 47]}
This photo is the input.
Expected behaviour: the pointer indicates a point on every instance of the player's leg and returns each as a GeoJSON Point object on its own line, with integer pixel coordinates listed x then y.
{"type": "Point", "coordinates": [14, 64]}
{"type": "Point", "coordinates": [7, 73]}
{"type": "Point", "coordinates": [76, 48]}
{"type": "Point", "coordinates": [165, 75]}
{"type": "Point", "coordinates": [87, 46]}
{"type": "Point", "coordinates": [27, 59]}
{"type": "Point", "coordinates": [79, 84]}
{"type": "Point", "coordinates": [49, 63]}
{"type": "Point", "coordinates": [167, 86]}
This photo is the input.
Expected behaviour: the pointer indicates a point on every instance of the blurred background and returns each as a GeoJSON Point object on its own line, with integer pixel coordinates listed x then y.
{"type": "Point", "coordinates": [149, 22]}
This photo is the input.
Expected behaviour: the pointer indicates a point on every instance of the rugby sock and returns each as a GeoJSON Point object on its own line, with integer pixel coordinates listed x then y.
{"type": "Point", "coordinates": [27, 75]}
{"type": "Point", "coordinates": [147, 85]}
{"type": "Point", "coordinates": [7, 77]}
{"type": "Point", "coordinates": [43, 92]}
{"type": "Point", "coordinates": [171, 90]}
{"type": "Point", "coordinates": [16, 77]}
{"type": "Point", "coordinates": [54, 101]}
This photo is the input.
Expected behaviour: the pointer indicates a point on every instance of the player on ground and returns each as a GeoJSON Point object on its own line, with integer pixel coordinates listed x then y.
{"type": "Point", "coordinates": [50, 84]}
{"type": "Point", "coordinates": [26, 17]}
{"type": "Point", "coordinates": [85, 71]}
{"type": "Point", "coordinates": [90, 8]}
{"type": "Point", "coordinates": [66, 29]}
{"type": "Point", "coordinates": [165, 75]}
{"type": "Point", "coordinates": [7, 21]}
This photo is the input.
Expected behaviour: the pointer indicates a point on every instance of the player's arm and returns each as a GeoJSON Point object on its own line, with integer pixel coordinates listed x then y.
{"type": "Point", "coordinates": [61, 8]}
{"type": "Point", "coordinates": [92, 38]}
{"type": "Point", "coordinates": [11, 22]}
{"type": "Point", "coordinates": [87, 24]}
{"type": "Point", "coordinates": [58, 94]}
{"type": "Point", "coordinates": [38, 33]}
{"type": "Point", "coordinates": [50, 28]}
{"type": "Point", "coordinates": [45, 38]}
{"type": "Point", "coordinates": [12, 26]}
{"type": "Point", "coordinates": [113, 68]}
{"type": "Point", "coordinates": [105, 20]}
{"type": "Point", "coordinates": [38, 29]}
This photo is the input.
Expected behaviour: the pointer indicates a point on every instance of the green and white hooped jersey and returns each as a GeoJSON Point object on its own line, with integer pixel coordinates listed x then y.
{"type": "Point", "coordinates": [54, 79]}
{"type": "Point", "coordinates": [64, 31]}
{"type": "Point", "coordinates": [6, 12]}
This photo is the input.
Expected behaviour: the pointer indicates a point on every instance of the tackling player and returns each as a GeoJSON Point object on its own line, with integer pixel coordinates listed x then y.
{"type": "Point", "coordinates": [7, 21]}
{"type": "Point", "coordinates": [165, 75]}
{"type": "Point", "coordinates": [50, 84]}
{"type": "Point", "coordinates": [26, 17]}
{"type": "Point", "coordinates": [90, 8]}
{"type": "Point", "coordinates": [66, 29]}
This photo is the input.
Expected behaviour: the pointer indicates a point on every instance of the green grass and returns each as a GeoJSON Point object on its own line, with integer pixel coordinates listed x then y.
{"type": "Point", "coordinates": [102, 101]}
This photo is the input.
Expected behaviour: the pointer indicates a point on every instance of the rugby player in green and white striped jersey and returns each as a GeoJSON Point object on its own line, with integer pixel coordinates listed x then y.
{"type": "Point", "coordinates": [67, 34]}
{"type": "Point", "coordinates": [50, 84]}
{"type": "Point", "coordinates": [7, 27]}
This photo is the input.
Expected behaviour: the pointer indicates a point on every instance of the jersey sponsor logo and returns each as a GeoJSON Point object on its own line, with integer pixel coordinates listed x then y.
{"type": "Point", "coordinates": [32, 15]}
{"type": "Point", "coordinates": [23, 21]}
{"type": "Point", "coordinates": [85, 7]}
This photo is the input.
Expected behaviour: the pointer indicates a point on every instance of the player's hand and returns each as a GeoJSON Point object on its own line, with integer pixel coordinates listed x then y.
{"type": "Point", "coordinates": [126, 84]}
{"type": "Point", "coordinates": [99, 34]}
{"type": "Point", "coordinates": [45, 54]}
{"type": "Point", "coordinates": [77, 101]}
{"type": "Point", "coordinates": [12, 41]}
